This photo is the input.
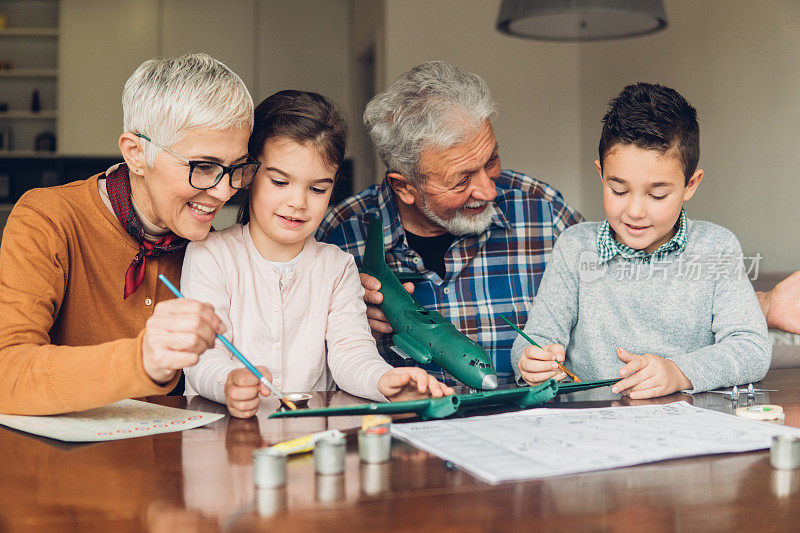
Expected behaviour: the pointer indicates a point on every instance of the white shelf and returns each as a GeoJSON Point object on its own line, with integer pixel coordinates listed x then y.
{"type": "Point", "coordinates": [44, 114]}
{"type": "Point", "coordinates": [31, 44]}
{"type": "Point", "coordinates": [29, 73]}
{"type": "Point", "coordinates": [29, 32]}
{"type": "Point", "coordinates": [31, 154]}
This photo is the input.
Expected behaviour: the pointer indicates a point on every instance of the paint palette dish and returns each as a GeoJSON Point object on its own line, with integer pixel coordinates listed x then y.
{"type": "Point", "coordinates": [299, 399]}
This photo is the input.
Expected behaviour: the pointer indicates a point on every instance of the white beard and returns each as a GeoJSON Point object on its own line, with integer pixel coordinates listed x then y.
{"type": "Point", "coordinates": [462, 224]}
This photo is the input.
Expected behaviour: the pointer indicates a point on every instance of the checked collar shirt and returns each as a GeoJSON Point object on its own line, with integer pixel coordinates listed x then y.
{"type": "Point", "coordinates": [608, 247]}
{"type": "Point", "coordinates": [488, 275]}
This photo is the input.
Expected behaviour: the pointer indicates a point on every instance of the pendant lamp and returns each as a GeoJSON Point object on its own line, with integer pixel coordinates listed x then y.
{"type": "Point", "coordinates": [580, 20]}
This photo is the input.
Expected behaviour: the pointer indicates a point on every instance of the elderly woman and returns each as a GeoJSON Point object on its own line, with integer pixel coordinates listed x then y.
{"type": "Point", "coordinates": [84, 320]}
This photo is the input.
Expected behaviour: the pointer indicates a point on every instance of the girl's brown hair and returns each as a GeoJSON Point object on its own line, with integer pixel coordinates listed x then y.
{"type": "Point", "coordinates": [302, 117]}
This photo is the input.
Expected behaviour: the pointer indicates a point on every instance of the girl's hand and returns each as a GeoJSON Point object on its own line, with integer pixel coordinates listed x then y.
{"type": "Point", "coordinates": [242, 389]}
{"type": "Point", "coordinates": [539, 364]}
{"type": "Point", "coordinates": [411, 383]}
{"type": "Point", "coordinates": [649, 376]}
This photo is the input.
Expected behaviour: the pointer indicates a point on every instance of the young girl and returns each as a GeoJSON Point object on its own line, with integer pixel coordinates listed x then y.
{"type": "Point", "coordinates": [290, 303]}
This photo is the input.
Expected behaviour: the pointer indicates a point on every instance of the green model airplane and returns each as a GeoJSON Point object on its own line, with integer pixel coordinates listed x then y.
{"type": "Point", "coordinates": [436, 408]}
{"type": "Point", "coordinates": [424, 336]}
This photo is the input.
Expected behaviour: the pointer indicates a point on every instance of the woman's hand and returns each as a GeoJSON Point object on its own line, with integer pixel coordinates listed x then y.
{"type": "Point", "coordinates": [176, 334]}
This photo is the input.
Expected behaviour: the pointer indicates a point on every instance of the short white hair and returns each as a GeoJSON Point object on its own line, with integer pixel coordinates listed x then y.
{"type": "Point", "coordinates": [432, 106]}
{"type": "Point", "coordinates": [164, 98]}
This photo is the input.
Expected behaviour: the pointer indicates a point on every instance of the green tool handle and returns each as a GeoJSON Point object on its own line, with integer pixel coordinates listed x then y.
{"type": "Point", "coordinates": [524, 336]}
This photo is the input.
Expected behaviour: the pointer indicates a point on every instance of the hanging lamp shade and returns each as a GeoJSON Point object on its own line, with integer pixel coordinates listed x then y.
{"type": "Point", "coordinates": [580, 20]}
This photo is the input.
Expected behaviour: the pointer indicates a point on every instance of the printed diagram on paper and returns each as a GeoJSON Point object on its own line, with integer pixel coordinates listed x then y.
{"type": "Point", "coordinates": [552, 442]}
{"type": "Point", "coordinates": [121, 420]}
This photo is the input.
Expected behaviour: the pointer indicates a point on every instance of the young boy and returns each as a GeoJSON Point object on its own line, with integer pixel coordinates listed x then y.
{"type": "Point", "coordinates": [661, 300]}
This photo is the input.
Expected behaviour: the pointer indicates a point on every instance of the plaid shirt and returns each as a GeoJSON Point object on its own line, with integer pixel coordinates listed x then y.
{"type": "Point", "coordinates": [488, 275]}
{"type": "Point", "coordinates": [608, 247]}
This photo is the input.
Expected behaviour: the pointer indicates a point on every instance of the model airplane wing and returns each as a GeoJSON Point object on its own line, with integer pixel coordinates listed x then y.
{"type": "Point", "coordinates": [435, 408]}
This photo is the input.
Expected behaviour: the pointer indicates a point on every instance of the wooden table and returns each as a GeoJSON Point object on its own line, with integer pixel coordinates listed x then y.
{"type": "Point", "coordinates": [202, 480]}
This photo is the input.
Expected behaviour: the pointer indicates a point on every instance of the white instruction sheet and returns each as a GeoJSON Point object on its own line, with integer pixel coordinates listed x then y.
{"type": "Point", "coordinates": [120, 420]}
{"type": "Point", "coordinates": [551, 442]}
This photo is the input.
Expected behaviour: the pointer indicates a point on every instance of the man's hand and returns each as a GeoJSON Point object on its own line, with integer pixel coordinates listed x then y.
{"type": "Point", "coordinates": [411, 383]}
{"type": "Point", "coordinates": [176, 334]}
{"type": "Point", "coordinates": [648, 376]}
{"type": "Point", "coordinates": [242, 389]}
{"type": "Point", "coordinates": [378, 322]}
{"type": "Point", "coordinates": [539, 364]}
{"type": "Point", "coordinates": [781, 305]}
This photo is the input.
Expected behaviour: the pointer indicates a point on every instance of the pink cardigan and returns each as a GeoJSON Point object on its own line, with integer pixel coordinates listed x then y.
{"type": "Point", "coordinates": [307, 326]}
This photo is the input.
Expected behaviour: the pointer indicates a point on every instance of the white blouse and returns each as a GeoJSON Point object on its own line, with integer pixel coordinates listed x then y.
{"type": "Point", "coordinates": [306, 324]}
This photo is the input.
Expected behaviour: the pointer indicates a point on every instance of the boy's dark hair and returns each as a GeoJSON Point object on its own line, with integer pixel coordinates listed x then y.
{"type": "Point", "coordinates": [302, 117]}
{"type": "Point", "coordinates": [653, 117]}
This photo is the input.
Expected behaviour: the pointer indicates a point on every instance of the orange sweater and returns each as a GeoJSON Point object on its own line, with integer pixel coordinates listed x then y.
{"type": "Point", "coordinates": [68, 339]}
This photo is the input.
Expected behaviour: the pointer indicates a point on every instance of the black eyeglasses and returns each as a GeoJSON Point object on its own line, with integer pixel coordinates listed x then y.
{"type": "Point", "coordinates": [205, 175]}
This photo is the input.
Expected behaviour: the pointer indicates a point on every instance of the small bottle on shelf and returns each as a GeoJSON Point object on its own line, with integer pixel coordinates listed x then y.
{"type": "Point", "coordinates": [36, 102]}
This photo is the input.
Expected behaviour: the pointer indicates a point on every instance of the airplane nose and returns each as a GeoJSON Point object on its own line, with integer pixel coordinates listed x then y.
{"type": "Point", "coordinates": [489, 382]}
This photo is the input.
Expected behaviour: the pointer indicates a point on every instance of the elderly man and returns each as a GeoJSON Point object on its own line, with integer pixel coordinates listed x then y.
{"type": "Point", "coordinates": [477, 236]}
{"type": "Point", "coordinates": [84, 320]}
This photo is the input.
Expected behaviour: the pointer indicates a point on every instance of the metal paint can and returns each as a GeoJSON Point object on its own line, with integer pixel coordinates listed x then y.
{"type": "Point", "coordinates": [374, 446]}
{"type": "Point", "coordinates": [785, 483]}
{"type": "Point", "coordinates": [785, 452]}
{"type": "Point", "coordinates": [269, 468]}
{"type": "Point", "coordinates": [270, 502]}
{"type": "Point", "coordinates": [375, 478]}
{"type": "Point", "coordinates": [329, 455]}
{"type": "Point", "coordinates": [329, 488]}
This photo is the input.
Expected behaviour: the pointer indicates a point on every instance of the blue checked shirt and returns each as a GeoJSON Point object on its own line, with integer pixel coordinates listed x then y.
{"type": "Point", "coordinates": [488, 275]}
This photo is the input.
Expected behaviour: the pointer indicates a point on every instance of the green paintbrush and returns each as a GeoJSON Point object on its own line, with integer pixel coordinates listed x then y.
{"type": "Point", "coordinates": [562, 367]}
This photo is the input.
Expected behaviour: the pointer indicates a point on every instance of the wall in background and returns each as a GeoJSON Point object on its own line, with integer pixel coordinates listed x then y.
{"type": "Point", "coordinates": [99, 49]}
{"type": "Point", "coordinates": [735, 60]}
{"type": "Point", "coordinates": [367, 64]}
{"type": "Point", "coordinates": [271, 44]}
{"type": "Point", "coordinates": [738, 63]}
{"type": "Point", "coordinates": [305, 44]}
{"type": "Point", "coordinates": [535, 84]}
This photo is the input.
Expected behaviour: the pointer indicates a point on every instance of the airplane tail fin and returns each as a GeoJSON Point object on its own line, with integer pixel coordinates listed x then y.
{"type": "Point", "coordinates": [374, 254]}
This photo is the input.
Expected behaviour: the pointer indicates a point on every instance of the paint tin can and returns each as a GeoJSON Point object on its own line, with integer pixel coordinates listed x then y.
{"type": "Point", "coordinates": [329, 455]}
{"type": "Point", "coordinates": [375, 478]}
{"type": "Point", "coordinates": [785, 483]}
{"type": "Point", "coordinates": [785, 452]}
{"type": "Point", "coordinates": [374, 446]}
{"type": "Point", "coordinates": [329, 488]}
{"type": "Point", "coordinates": [269, 468]}
{"type": "Point", "coordinates": [270, 502]}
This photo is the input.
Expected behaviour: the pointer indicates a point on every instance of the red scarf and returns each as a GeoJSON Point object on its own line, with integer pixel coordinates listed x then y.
{"type": "Point", "coordinates": [118, 185]}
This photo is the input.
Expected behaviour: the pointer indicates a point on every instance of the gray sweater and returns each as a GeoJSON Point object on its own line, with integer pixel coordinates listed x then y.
{"type": "Point", "coordinates": [695, 307]}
